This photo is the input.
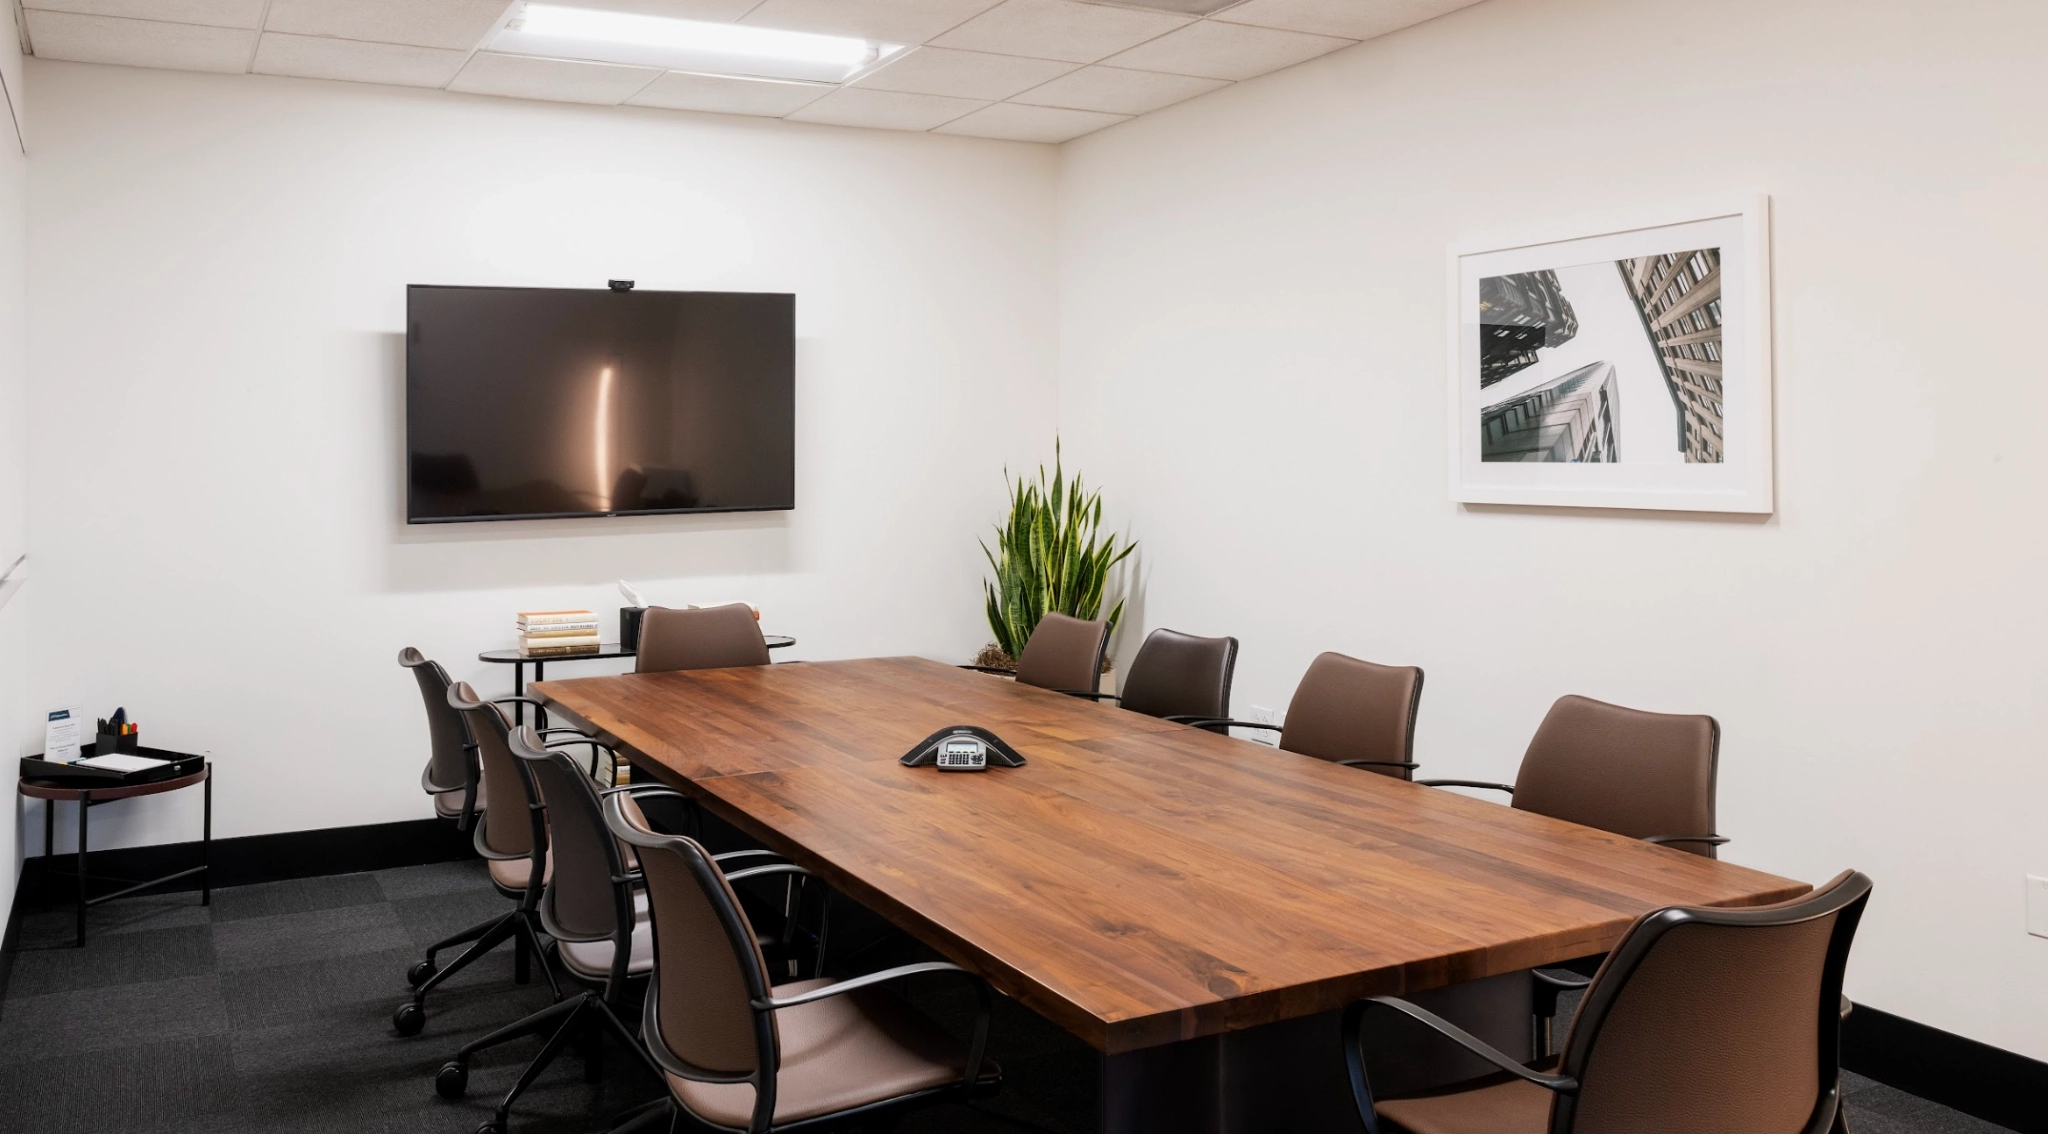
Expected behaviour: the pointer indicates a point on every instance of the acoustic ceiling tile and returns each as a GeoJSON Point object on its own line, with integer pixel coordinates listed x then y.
{"type": "Point", "coordinates": [317, 57]}
{"type": "Point", "coordinates": [680, 90]}
{"type": "Point", "coordinates": [212, 13]}
{"type": "Point", "coordinates": [892, 21]}
{"type": "Point", "coordinates": [458, 25]}
{"type": "Point", "coordinates": [886, 110]}
{"type": "Point", "coordinates": [717, 11]}
{"type": "Point", "coordinates": [963, 74]}
{"type": "Point", "coordinates": [1118, 91]}
{"type": "Point", "coordinates": [1019, 123]}
{"type": "Point", "coordinates": [1059, 29]}
{"type": "Point", "coordinates": [1351, 19]}
{"type": "Point", "coordinates": [1226, 51]}
{"type": "Point", "coordinates": [139, 43]}
{"type": "Point", "coordinates": [556, 80]}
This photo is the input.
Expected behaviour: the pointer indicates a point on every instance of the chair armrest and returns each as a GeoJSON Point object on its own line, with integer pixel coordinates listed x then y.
{"type": "Point", "coordinates": [1354, 1015]}
{"type": "Point", "coordinates": [728, 856]}
{"type": "Point", "coordinates": [1666, 840]}
{"type": "Point", "coordinates": [580, 734]}
{"type": "Point", "coordinates": [1207, 722]}
{"type": "Point", "coordinates": [977, 1045]}
{"type": "Point", "coordinates": [1508, 788]}
{"type": "Point", "coordinates": [639, 789]}
{"type": "Point", "coordinates": [1083, 693]}
{"type": "Point", "coordinates": [1378, 764]}
{"type": "Point", "coordinates": [772, 868]}
{"type": "Point", "coordinates": [1560, 978]}
{"type": "Point", "coordinates": [855, 984]}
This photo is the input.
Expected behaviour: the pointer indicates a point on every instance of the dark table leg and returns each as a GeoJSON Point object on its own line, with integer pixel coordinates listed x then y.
{"type": "Point", "coordinates": [206, 845]}
{"type": "Point", "coordinates": [519, 688]}
{"type": "Point", "coordinates": [84, 808]}
{"type": "Point", "coordinates": [49, 851]}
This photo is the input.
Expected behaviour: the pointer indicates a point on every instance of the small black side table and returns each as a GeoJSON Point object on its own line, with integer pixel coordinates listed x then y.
{"type": "Point", "coordinates": [87, 798]}
{"type": "Point", "coordinates": [519, 662]}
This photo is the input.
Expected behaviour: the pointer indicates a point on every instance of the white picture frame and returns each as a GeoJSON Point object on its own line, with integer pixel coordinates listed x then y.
{"type": "Point", "coordinates": [1577, 317]}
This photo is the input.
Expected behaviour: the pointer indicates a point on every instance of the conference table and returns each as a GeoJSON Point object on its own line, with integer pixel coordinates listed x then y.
{"type": "Point", "coordinates": [1197, 908]}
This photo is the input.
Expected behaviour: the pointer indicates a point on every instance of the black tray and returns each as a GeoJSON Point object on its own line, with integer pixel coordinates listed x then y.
{"type": "Point", "coordinates": [71, 775]}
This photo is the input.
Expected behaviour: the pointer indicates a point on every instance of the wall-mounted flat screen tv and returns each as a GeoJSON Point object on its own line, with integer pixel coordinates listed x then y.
{"type": "Point", "coordinates": [525, 403]}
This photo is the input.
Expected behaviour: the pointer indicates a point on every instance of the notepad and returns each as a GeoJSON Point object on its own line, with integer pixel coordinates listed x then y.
{"type": "Point", "coordinates": [120, 763]}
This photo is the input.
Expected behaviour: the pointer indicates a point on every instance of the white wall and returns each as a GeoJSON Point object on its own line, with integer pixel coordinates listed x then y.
{"type": "Point", "coordinates": [13, 446]}
{"type": "Point", "coordinates": [1251, 299]}
{"type": "Point", "coordinates": [217, 281]}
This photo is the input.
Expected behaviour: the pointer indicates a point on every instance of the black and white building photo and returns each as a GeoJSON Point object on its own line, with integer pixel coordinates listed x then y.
{"type": "Point", "coordinates": [1615, 361]}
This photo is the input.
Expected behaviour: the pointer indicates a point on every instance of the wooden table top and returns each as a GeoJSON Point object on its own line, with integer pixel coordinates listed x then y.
{"type": "Point", "coordinates": [1138, 882]}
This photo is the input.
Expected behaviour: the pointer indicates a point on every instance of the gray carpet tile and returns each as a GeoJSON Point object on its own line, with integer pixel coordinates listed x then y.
{"type": "Point", "coordinates": [136, 914]}
{"type": "Point", "coordinates": [1888, 1110]}
{"type": "Point", "coordinates": [119, 958]}
{"type": "Point", "coordinates": [433, 918]}
{"type": "Point", "coordinates": [156, 1087]}
{"type": "Point", "coordinates": [260, 942]}
{"type": "Point", "coordinates": [100, 1019]}
{"type": "Point", "coordinates": [433, 879]}
{"type": "Point", "coordinates": [301, 895]}
{"type": "Point", "coordinates": [299, 989]}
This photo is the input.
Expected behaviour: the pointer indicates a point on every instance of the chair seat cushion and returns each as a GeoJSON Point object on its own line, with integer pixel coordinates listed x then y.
{"type": "Point", "coordinates": [510, 874]}
{"type": "Point", "coordinates": [1497, 1104]}
{"type": "Point", "coordinates": [839, 1053]}
{"type": "Point", "coordinates": [448, 804]}
{"type": "Point", "coordinates": [592, 960]}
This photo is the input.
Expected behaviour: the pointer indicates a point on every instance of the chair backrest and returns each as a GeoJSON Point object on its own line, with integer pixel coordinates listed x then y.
{"type": "Point", "coordinates": [581, 902]}
{"type": "Point", "coordinates": [712, 637]}
{"type": "Point", "coordinates": [1348, 709]}
{"type": "Point", "coordinates": [1178, 674]}
{"type": "Point", "coordinates": [1704, 1021]}
{"type": "Point", "coordinates": [448, 762]}
{"type": "Point", "coordinates": [708, 966]}
{"type": "Point", "coordinates": [1623, 770]}
{"type": "Point", "coordinates": [1064, 653]}
{"type": "Point", "coordinates": [506, 830]}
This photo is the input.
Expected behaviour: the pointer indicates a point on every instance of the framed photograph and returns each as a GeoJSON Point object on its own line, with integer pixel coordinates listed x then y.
{"type": "Point", "coordinates": [1624, 365]}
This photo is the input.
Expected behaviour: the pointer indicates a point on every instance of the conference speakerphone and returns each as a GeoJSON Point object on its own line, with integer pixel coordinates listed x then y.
{"type": "Point", "coordinates": [962, 748]}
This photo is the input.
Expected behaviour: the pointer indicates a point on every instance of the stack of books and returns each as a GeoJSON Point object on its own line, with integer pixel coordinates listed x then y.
{"type": "Point", "coordinates": [551, 633]}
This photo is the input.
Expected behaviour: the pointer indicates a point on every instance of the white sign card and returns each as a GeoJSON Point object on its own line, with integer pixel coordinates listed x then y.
{"type": "Point", "coordinates": [61, 734]}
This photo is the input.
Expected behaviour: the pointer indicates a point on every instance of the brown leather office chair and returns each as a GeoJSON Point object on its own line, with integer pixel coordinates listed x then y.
{"type": "Point", "coordinates": [741, 1053]}
{"type": "Point", "coordinates": [713, 637]}
{"type": "Point", "coordinates": [1649, 776]}
{"type": "Point", "coordinates": [1177, 677]}
{"type": "Point", "coordinates": [1064, 653]}
{"type": "Point", "coordinates": [451, 773]}
{"type": "Point", "coordinates": [513, 840]}
{"type": "Point", "coordinates": [1351, 712]}
{"type": "Point", "coordinates": [1702, 1021]}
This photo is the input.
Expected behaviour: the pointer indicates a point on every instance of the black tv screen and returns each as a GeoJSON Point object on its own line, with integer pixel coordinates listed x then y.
{"type": "Point", "coordinates": [523, 403]}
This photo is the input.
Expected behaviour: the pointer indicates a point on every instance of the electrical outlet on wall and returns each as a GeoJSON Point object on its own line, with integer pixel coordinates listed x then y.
{"type": "Point", "coordinates": [1262, 715]}
{"type": "Point", "coordinates": [2037, 905]}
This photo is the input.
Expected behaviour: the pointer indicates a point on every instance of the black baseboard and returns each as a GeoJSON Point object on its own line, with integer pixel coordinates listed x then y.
{"type": "Point", "coordinates": [1982, 1081]}
{"type": "Point", "coordinates": [255, 858]}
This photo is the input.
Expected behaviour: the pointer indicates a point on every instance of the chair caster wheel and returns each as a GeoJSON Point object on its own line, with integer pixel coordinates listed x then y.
{"type": "Point", "coordinates": [409, 1019]}
{"type": "Point", "coordinates": [452, 1080]}
{"type": "Point", "coordinates": [491, 1127]}
{"type": "Point", "coordinates": [420, 974]}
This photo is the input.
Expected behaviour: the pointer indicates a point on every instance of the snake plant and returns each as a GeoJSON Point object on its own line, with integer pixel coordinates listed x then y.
{"type": "Point", "coordinates": [1050, 555]}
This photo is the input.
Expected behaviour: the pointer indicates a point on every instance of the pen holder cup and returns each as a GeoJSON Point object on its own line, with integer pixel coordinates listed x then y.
{"type": "Point", "coordinates": [629, 626]}
{"type": "Point", "coordinates": [107, 743]}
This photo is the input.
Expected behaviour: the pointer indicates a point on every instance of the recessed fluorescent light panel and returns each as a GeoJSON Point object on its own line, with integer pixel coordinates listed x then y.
{"type": "Point", "coordinates": [687, 45]}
